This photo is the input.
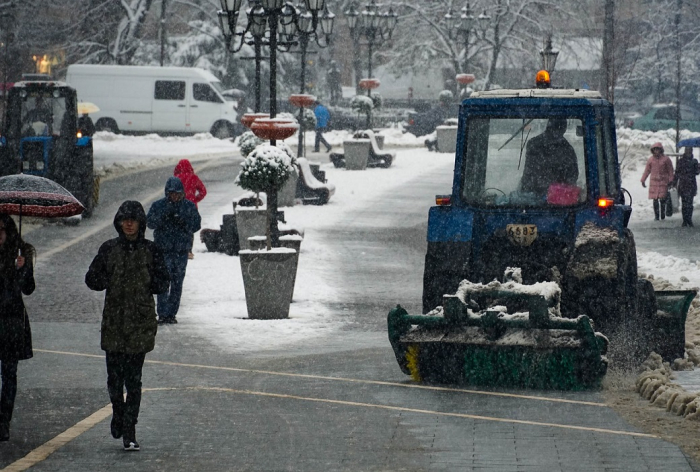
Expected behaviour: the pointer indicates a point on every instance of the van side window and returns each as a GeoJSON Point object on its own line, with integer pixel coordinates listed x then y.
{"type": "Point", "coordinates": [170, 90]}
{"type": "Point", "coordinates": [204, 93]}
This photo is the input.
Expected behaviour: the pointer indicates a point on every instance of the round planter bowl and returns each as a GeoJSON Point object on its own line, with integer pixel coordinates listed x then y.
{"type": "Point", "coordinates": [249, 118]}
{"type": "Point", "coordinates": [273, 128]}
{"type": "Point", "coordinates": [369, 84]}
{"type": "Point", "coordinates": [465, 79]}
{"type": "Point", "coordinates": [302, 100]}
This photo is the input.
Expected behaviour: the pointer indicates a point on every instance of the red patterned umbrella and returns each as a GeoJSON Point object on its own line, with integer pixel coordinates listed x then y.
{"type": "Point", "coordinates": [29, 195]}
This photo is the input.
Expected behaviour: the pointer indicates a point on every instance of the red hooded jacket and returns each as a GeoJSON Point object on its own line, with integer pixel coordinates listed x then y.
{"type": "Point", "coordinates": [195, 190]}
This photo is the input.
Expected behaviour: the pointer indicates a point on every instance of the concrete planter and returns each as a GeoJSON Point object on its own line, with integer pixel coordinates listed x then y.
{"type": "Point", "coordinates": [287, 194]}
{"type": "Point", "coordinates": [380, 140]}
{"type": "Point", "coordinates": [446, 138]}
{"type": "Point", "coordinates": [258, 243]}
{"type": "Point", "coordinates": [268, 280]}
{"type": "Point", "coordinates": [356, 153]}
{"type": "Point", "coordinates": [250, 222]}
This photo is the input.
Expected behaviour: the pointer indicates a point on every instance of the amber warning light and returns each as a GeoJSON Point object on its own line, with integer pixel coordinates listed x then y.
{"type": "Point", "coordinates": [542, 79]}
{"type": "Point", "coordinates": [605, 202]}
{"type": "Point", "coordinates": [443, 200]}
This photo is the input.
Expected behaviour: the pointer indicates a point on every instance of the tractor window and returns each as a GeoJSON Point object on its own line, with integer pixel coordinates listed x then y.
{"type": "Point", "coordinates": [43, 115]}
{"type": "Point", "coordinates": [169, 90]}
{"type": "Point", "coordinates": [607, 173]}
{"type": "Point", "coordinates": [524, 162]}
{"type": "Point", "coordinates": [204, 93]}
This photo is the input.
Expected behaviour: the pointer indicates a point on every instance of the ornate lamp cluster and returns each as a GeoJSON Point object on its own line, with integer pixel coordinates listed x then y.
{"type": "Point", "coordinates": [464, 25]}
{"type": "Point", "coordinates": [274, 23]}
{"type": "Point", "coordinates": [376, 26]}
{"type": "Point", "coordinates": [280, 17]}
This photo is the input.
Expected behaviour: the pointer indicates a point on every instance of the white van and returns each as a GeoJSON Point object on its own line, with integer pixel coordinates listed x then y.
{"type": "Point", "coordinates": [145, 99]}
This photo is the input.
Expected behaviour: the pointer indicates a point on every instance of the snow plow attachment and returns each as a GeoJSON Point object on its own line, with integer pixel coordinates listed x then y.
{"type": "Point", "coordinates": [668, 332]}
{"type": "Point", "coordinates": [465, 344]}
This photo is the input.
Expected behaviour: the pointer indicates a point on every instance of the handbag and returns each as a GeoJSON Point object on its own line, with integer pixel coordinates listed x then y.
{"type": "Point", "coordinates": [671, 201]}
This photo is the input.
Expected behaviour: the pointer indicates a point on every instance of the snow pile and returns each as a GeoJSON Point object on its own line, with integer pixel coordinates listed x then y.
{"type": "Point", "coordinates": [549, 290]}
{"type": "Point", "coordinates": [655, 385]}
{"type": "Point", "coordinates": [117, 153]}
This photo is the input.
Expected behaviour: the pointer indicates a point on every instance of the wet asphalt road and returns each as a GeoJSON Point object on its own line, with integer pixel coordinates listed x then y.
{"type": "Point", "coordinates": [349, 408]}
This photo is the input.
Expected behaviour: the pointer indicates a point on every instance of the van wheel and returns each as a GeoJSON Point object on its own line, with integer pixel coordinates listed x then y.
{"type": "Point", "coordinates": [107, 124]}
{"type": "Point", "coordinates": [222, 130]}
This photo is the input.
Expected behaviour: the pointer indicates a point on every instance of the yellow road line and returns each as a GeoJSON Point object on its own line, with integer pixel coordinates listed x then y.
{"type": "Point", "coordinates": [411, 410]}
{"type": "Point", "coordinates": [45, 450]}
{"type": "Point", "coordinates": [350, 380]}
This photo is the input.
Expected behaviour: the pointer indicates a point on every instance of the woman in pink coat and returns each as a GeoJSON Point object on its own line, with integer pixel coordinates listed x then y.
{"type": "Point", "coordinates": [660, 168]}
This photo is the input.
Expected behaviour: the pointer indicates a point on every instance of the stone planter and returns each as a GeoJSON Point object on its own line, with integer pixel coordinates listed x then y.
{"type": "Point", "coordinates": [258, 243]}
{"type": "Point", "coordinates": [380, 140]}
{"type": "Point", "coordinates": [446, 138]}
{"type": "Point", "coordinates": [268, 280]}
{"type": "Point", "coordinates": [356, 153]}
{"type": "Point", "coordinates": [250, 222]}
{"type": "Point", "coordinates": [287, 194]}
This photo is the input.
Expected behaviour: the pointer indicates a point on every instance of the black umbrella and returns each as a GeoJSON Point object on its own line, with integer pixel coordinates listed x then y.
{"type": "Point", "coordinates": [29, 195]}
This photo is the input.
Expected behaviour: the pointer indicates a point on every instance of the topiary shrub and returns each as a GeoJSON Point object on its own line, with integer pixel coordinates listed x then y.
{"type": "Point", "coordinates": [247, 142]}
{"type": "Point", "coordinates": [266, 169]}
{"type": "Point", "coordinates": [377, 101]}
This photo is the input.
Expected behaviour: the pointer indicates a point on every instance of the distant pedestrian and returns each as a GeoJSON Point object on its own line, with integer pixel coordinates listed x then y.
{"type": "Point", "coordinates": [323, 118]}
{"type": "Point", "coordinates": [131, 269]}
{"type": "Point", "coordinates": [660, 168]}
{"type": "Point", "coordinates": [685, 181]}
{"type": "Point", "coordinates": [16, 278]}
{"type": "Point", "coordinates": [195, 191]}
{"type": "Point", "coordinates": [334, 83]}
{"type": "Point", "coordinates": [174, 220]}
{"type": "Point", "coordinates": [85, 125]}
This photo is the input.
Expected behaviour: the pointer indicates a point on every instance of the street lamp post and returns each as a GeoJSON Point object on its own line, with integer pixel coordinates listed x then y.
{"type": "Point", "coordinates": [271, 23]}
{"type": "Point", "coordinates": [374, 25]}
{"type": "Point", "coordinates": [463, 27]}
{"type": "Point", "coordinates": [307, 31]}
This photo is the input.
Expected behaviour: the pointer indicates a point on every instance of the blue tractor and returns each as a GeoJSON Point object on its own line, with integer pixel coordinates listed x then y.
{"type": "Point", "coordinates": [41, 135]}
{"type": "Point", "coordinates": [536, 200]}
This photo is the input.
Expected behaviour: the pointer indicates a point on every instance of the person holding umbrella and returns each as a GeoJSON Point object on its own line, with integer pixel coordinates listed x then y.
{"type": "Point", "coordinates": [684, 180]}
{"type": "Point", "coordinates": [16, 278]}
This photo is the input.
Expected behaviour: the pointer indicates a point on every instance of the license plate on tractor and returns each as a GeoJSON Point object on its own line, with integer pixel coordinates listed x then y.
{"type": "Point", "coordinates": [521, 235]}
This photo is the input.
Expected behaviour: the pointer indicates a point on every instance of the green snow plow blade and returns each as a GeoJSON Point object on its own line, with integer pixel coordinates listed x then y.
{"type": "Point", "coordinates": [526, 350]}
{"type": "Point", "coordinates": [668, 332]}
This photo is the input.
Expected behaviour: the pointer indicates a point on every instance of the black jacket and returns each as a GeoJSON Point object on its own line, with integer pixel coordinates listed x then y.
{"type": "Point", "coordinates": [131, 272]}
{"type": "Point", "coordinates": [549, 159]}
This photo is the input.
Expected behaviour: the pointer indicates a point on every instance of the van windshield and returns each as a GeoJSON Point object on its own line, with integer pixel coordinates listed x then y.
{"type": "Point", "coordinates": [524, 162]}
{"type": "Point", "coordinates": [217, 86]}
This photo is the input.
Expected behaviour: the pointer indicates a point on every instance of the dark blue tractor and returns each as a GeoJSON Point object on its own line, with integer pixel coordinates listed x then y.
{"type": "Point", "coordinates": [41, 136]}
{"type": "Point", "coordinates": [536, 198]}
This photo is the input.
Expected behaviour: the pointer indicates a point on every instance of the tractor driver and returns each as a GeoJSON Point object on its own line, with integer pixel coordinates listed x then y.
{"type": "Point", "coordinates": [41, 112]}
{"type": "Point", "coordinates": [549, 159]}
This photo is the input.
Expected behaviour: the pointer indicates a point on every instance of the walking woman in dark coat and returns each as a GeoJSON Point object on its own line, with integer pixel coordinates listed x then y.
{"type": "Point", "coordinates": [16, 278]}
{"type": "Point", "coordinates": [684, 180]}
{"type": "Point", "coordinates": [131, 269]}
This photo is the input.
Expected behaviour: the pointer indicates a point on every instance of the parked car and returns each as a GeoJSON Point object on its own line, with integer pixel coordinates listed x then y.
{"type": "Point", "coordinates": [421, 124]}
{"type": "Point", "coordinates": [663, 116]}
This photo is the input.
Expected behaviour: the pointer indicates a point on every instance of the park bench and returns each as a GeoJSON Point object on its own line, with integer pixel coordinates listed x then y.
{"type": "Point", "coordinates": [377, 157]}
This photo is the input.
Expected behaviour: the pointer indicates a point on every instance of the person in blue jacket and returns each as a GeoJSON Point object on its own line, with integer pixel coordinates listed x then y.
{"type": "Point", "coordinates": [323, 118]}
{"type": "Point", "coordinates": [174, 220]}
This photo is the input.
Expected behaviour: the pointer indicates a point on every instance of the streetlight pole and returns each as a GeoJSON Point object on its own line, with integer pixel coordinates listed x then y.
{"type": "Point", "coordinates": [372, 24]}
{"type": "Point", "coordinates": [281, 17]}
{"type": "Point", "coordinates": [307, 31]}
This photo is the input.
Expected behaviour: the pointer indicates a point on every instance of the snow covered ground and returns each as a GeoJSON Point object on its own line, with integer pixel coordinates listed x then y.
{"type": "Point", "coordinates": [215, 306]}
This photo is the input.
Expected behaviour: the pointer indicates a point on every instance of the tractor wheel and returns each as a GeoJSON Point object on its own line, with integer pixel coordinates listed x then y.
{"type": "Point", "coordinates": [90, 201]}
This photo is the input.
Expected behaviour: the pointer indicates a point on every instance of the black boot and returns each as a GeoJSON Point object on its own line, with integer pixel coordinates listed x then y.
{"type": "Point", "coordinates": [129, 439]}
